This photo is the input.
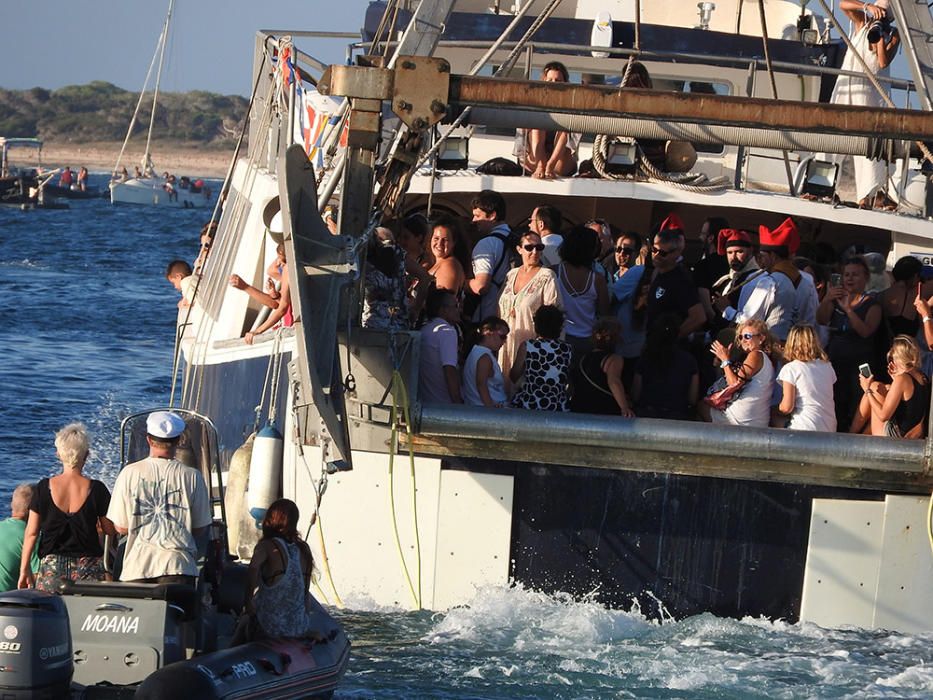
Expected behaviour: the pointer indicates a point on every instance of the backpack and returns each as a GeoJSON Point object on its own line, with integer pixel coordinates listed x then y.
{"type": "Point", "coordinates": [509, 258]}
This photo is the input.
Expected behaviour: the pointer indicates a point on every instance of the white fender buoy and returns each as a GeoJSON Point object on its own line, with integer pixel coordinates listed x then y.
{"type": "Point", "coordinates": [265, 472]}
{"type": "Point", "coordinates": [235, 493]}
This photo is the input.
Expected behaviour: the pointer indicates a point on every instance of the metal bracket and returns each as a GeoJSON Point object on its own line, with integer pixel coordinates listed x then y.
{"type": "Point", "coordinates": [420, 91]}
{"type": "Point", "coordinates": [356, 81]}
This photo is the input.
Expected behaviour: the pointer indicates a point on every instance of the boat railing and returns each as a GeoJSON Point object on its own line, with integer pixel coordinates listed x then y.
{"type": "Point", "coordinates": [585, 50]}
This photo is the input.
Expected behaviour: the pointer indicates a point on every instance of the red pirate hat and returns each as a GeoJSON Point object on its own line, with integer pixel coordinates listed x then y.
{"type": "Point", "coordinates": [729, 237]}
{"type": "Point", "coordinates": [784, 236]}
{"type": "Point", "coordinates": [671, 222]}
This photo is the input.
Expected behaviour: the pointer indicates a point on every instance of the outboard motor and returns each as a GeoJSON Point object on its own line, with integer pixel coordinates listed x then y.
{"type": "Point", "coordinates": [35, 646]}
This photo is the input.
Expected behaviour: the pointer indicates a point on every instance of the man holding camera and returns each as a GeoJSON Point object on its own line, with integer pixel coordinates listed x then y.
{"type": "Point", "coordinates": [876, 41]}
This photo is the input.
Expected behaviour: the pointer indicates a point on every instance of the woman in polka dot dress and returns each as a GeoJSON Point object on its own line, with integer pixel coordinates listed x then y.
{"type": "Point", "coordinates": [544, 365]}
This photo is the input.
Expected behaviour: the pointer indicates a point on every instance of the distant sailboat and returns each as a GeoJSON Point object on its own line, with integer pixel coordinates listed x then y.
{"type": "Point", "coordinates": [146, 186]}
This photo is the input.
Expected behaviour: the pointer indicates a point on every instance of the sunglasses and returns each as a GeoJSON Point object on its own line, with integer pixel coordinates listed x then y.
{"type": "Point", "coordinates": [503, 335]}
{"type": "Point", "coordinates": [659, 252]}
{"type": "Point", "coordinates": [533, 246]}
{"type": "Point", "coordinates": [748, 336]}
{"type": "Point", "coordinates": [627, 251]}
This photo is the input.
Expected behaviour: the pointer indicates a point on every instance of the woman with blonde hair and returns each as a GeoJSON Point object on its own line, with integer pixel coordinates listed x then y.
{"type": "Point", "coordinates": [69, 510]}
{"type": "Point", "coordinates": [898, 409]}
{"type": "Point", "coordinates": [756, 372]}
{"type": "Point", "coordinates": [807, 382]}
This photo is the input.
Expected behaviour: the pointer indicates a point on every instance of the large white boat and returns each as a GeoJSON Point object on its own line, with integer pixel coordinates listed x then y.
{"type": "Point", "coordinates": [421, 505]}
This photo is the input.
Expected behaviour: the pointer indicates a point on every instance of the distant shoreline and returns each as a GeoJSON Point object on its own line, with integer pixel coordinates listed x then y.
{"type": "Point", "coordinates": [179, 159]}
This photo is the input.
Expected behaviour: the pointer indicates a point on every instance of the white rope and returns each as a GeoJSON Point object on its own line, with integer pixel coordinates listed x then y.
{"type": "Point", "coordinates": [690, 182]}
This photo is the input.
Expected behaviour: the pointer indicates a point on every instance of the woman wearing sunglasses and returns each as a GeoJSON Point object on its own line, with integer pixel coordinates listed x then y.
{"type": "Point", "coordinates": [756, 371]}
{"type": "Point", "coordinates": [898, 409]}
{"type": "Point", "coordinates": [527, 288]}
{"type": "Point", "coordinates": [628, 306]}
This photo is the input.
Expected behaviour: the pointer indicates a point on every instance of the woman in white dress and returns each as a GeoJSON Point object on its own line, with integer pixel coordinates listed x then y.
{"type": "Point", "coordinates": [870, 175]}
{"type": "Point", "coordinates": [807, 381]}
{"type": "Point", "coordinates": [756, 371]}
{"type": "Point", "coordinates": [527, 288]}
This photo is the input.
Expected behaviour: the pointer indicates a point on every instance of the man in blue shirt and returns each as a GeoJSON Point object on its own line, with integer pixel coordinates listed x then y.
{"type": "Point", "coordinates": [11, 538]}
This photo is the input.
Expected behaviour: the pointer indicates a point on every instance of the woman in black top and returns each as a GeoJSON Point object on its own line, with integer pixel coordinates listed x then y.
{"type": "Point", "coordinates": [853, 317]}
{"type": "Point", "coordinates": [596, 376]}
{"type": "Point", "coordinates": [69, 511]}
{"type": "Point", "coordinates": [898, 409]}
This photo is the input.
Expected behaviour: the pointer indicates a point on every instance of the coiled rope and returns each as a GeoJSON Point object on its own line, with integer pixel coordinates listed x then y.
{"type": "Point", "coordinates": [690, 182]}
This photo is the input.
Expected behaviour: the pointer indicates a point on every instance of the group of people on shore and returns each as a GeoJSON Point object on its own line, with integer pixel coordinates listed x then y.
{"type": "Point", "coordinates": [593, 319]}
{"type": "Point", "coordinates": [162, 508]}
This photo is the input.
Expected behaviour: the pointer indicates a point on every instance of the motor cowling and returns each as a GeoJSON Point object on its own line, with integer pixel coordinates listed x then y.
{"type": "Point", "coordinates": [35, 646]}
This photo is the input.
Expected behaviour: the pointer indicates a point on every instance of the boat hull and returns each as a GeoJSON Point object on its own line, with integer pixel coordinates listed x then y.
{"type": "Point", "coordinates": [677, 545]}
{"type": "Point", "coordinates": [152, 192]}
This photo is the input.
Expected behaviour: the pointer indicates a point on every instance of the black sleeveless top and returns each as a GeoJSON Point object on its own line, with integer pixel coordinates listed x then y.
{"type": "Point", "coordinates": [913, 410]}
{"type": "Point", "coordinates": [70, 534]}
{"type": "Point", "coordinates": [591, 393]}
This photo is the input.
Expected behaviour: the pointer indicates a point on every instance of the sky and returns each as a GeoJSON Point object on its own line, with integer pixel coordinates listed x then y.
{"type": "Point", "coordinates": [52, 43]}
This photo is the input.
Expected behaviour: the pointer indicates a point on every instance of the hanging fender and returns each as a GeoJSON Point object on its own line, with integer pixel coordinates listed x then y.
{"type": "Point", "coordinates": [265, 471]}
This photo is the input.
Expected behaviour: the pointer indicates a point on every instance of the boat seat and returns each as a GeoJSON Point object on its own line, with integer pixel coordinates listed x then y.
{"type": "Point", "coordinates": [183, 597]}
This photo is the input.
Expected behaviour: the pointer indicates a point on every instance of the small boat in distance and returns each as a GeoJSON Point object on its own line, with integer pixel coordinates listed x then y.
{"type": "Point", "coordinates": [26, 188]}
{"type": "Point", "coordinates": [146, 186]}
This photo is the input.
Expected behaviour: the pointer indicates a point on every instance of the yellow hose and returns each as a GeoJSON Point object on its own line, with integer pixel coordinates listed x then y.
{"type": "Point", "coordinates": [406, 406]}
{"type": "Point", "coordinates": [930, 522]}
{"type": "Point", "coordinates": [393, 446]}
{"type": "Point", "coordinates": [330, 578]}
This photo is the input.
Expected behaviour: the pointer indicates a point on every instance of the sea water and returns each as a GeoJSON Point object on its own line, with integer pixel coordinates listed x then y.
{"type": "Point", "coordinates": [86, 329]}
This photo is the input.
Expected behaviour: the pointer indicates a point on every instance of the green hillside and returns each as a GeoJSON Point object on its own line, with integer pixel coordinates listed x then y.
{"type": "Point", "coordinates": [101, 111]}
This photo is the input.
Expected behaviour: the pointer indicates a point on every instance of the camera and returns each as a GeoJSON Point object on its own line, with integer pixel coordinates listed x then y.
{"type": "Point", "coordinates": [879, 29]}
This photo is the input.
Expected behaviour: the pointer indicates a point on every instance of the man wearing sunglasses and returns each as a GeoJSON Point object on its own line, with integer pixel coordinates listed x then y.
{"type": "Point", "coordinates": [672, 289]}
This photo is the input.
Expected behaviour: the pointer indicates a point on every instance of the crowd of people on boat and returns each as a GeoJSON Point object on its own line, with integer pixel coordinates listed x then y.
{"type": "Point", "coordinates": [597, 319]}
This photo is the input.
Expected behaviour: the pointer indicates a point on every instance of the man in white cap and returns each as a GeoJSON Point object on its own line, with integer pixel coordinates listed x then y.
{"type": "Point", "coordinates": [162, 507]}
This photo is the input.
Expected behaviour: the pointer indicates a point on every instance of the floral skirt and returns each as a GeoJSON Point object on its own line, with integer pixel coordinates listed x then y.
{"type": "Point", "coordinates": [55, 568]}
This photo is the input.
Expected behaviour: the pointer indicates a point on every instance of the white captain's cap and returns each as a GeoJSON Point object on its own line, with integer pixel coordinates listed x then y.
{"type": "Point", "coordinates": [165, 425]}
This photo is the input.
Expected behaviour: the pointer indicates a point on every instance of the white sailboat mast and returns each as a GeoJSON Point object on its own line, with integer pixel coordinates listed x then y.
{"type": "Point", "coordinates": [147, 159]}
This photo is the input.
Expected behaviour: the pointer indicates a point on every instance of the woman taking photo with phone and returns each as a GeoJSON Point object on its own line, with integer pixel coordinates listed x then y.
{"type": "Point", "coordinates": [898, 409]}
{"type": "Point", "coordinates": [853, 317]}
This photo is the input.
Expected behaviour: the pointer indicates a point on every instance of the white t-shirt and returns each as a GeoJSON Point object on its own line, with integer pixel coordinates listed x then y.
{"type": "Point", "coordinates": [495, 384]}
{"type": "Point", "coordinates": [487, 253]}
{"type": "Point", "coordinates": [438, 350]}
{"type": "Point", "coordinates": [551, 257]}
{"type": "Point", "coordinates": [159, 502]}
{"type": "Point", "coordinates": [813, 406]}
{"type": "Point", "coordinates": [187, 313]}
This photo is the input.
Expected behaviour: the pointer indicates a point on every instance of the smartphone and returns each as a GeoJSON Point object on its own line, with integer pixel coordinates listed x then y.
{"type": "Point", "coordinates": [835, 279]}
{"type": "Point", "coordinates": [865, 370]}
